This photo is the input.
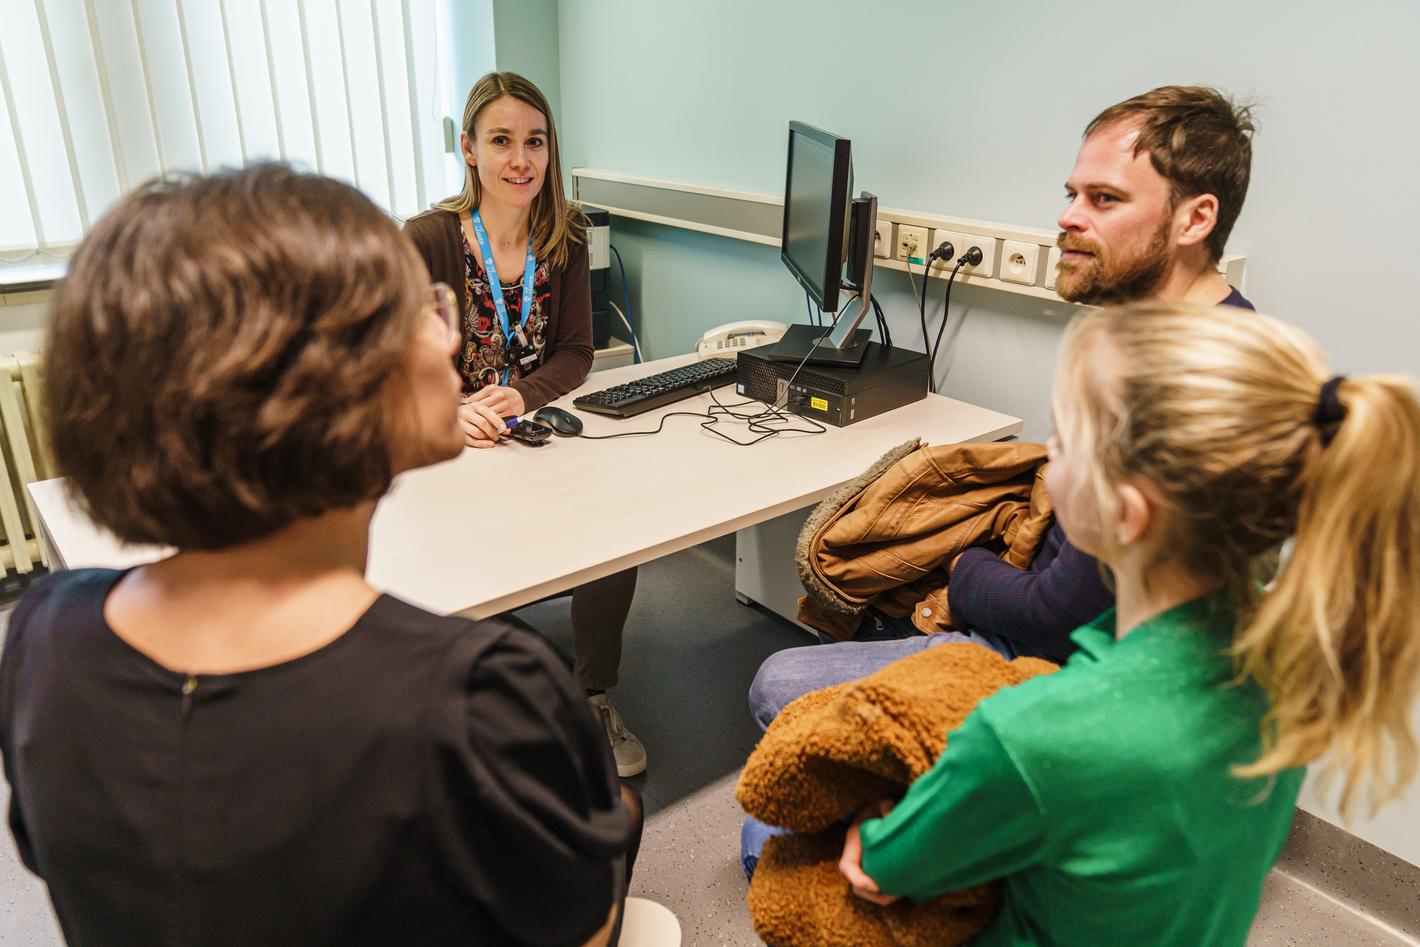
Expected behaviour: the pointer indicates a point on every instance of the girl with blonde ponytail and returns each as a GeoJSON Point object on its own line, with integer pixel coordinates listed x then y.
{"type": "Point", "coordinates": [1141, 793]}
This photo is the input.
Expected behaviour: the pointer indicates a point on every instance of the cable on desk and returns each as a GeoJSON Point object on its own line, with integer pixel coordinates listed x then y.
{"type": "Point", "coordinates": [635, 345]}
{"type": "Point", "coordinates": [921, 301]}
{"type": "Point", "coordinates": [883, 330]}
{"type": "Point", "coordinates": [946, 313]}
{"type": "Point", "coordinates": [626, 300]}
{"type": "Point", "coordinates": [758, 423]}
{"type": "Point", "coordinates": [916, 296]}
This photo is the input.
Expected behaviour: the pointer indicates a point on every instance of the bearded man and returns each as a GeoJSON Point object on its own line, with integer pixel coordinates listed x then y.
{"type": "Point", "coordinates": [1157, 186]}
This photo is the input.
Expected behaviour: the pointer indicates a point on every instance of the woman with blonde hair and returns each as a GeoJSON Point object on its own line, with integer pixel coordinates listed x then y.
{"type": "Point", "coordinates": [1141, 793]}
{"type": "Point", "coordinates": [514, 250]}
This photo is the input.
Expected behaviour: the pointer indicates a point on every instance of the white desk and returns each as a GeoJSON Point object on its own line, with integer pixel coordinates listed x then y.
{"type": "Point", "coordinates": [496, 529]}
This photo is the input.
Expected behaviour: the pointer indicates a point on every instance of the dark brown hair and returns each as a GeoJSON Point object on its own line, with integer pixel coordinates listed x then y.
{"type": "Point", "coordinates": [1199, 140]}
{"type": "Point", "coordinates": [218, 357]}
{"type": "Point", "coordinates": [556, 223]}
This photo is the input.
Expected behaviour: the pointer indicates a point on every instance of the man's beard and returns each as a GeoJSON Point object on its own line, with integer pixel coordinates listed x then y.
{"type": "Point", "coordinates": [1102, 283]}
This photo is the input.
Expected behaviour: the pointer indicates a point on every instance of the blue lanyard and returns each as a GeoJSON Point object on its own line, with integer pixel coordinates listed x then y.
{"type": "Point", "coordinates": [495, 286]}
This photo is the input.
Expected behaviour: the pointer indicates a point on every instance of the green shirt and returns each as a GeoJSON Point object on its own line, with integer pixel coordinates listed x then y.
{"type": "Point", "coordinates": [1100, 794]}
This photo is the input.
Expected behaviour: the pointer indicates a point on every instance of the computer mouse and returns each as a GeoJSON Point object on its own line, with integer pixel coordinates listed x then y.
{"type": "Point", "coordinates": [563, 423]}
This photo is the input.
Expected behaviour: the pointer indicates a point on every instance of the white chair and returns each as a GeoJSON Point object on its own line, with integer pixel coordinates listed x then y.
{"type": "Point", "coordinates": [649, 924]}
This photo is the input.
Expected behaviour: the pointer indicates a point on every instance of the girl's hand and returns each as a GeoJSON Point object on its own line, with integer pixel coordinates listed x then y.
{"type": "Point", "coordinates": [851, 862]}
{"type": "Point", "coordinates": [482, 426]}
{"type": "Point", "coordinates": [504, 402]}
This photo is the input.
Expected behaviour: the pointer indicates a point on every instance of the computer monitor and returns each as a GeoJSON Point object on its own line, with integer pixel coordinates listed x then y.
{"type": "Point", "coordinates": [824, 227]}
{"type": "Point", "coordinates": [816, 189]}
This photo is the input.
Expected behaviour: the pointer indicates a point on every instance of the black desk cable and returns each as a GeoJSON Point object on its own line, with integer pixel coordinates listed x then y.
{"type": "Point", "coordinates": [972, 257]}
{"type": "Point", "coordinates": [944, 251]}
{"type": "Point", "coordinates": [758, 423]}
{"type": "Point", "coordinates": [883, 332]}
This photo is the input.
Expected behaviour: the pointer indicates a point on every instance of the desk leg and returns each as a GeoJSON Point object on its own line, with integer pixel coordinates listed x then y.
{"type": "Point", "coordinates": [764, 565]}
{"type": "Point", "coordinates": [48, 556]}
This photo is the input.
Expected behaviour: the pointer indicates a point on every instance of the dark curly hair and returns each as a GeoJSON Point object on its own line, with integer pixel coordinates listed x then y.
{"type": "Point", "coordinates": [218, 357]}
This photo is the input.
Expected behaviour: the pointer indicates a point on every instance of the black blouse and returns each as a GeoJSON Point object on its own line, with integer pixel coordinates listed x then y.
{"type": "Point", "coordinates": [419, 780]}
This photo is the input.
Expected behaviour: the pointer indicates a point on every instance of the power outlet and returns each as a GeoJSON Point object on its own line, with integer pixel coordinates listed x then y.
{"type": "Point", "coordinates": [912, 244]}
{"type": "Point", "coordinates": [987, 266]}
{"type": "Point", "coordinates": [882, 240]}
{"type": "Point", "coordinates": [1052, 264]}
{"type": "Point", "coordinates": [1019, 262]}
{"type": "Point", "coordinates": [958, 242]}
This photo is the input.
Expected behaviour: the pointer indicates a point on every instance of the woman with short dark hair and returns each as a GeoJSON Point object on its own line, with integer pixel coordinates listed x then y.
{"type": "Point", "coordinates": [245, 743]}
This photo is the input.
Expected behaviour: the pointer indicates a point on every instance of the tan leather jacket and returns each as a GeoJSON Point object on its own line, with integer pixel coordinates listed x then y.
{"type": "Point", "coordinates": [887, 538]}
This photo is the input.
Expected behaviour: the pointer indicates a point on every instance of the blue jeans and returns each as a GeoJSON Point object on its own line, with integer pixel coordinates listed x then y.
{"type": "Point", "coordinates": [879, 641]}
{"type": "Point", "coordinates": [794, 672]}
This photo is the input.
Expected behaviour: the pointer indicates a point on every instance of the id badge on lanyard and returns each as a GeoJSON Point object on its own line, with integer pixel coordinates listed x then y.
{"type": "Point", "coordinates": [520, 348]}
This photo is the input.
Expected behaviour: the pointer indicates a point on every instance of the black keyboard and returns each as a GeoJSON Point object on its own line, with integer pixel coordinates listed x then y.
{"type": "Point", "coordinates": [653, 391]}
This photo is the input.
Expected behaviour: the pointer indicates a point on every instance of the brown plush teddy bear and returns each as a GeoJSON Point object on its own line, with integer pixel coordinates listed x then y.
{"type": "Point", "coordinates": [833, 751]}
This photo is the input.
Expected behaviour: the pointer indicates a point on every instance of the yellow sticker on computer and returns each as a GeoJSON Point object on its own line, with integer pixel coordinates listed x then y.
{"type": "Point", "coordinates": [818, 404]}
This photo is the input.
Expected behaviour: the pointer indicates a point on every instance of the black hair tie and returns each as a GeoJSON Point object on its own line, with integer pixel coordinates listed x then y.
{"type": "Point", "coordinates": [1329, 409]}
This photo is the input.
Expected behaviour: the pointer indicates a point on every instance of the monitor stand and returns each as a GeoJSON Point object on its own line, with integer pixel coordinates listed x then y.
{"type": "Point", "coordinates": [799, 341]}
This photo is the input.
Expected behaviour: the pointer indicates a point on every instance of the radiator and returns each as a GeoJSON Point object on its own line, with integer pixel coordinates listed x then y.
{"type": "Point", "coordinates": [24, 458]}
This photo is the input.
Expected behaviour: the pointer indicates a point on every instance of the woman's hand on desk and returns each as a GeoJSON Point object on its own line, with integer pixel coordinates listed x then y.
{"type": "Point", "coordinates": [482, 426]}
{"type": "Point", "coordinates": [503, 402]}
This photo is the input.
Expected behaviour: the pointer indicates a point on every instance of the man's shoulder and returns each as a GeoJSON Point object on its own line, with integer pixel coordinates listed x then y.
{"type": "Point", "coordinates": [1237, 299]}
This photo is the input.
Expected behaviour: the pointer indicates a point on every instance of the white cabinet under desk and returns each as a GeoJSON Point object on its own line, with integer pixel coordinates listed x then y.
{"type": "Point", "coordinates": [617, 354]}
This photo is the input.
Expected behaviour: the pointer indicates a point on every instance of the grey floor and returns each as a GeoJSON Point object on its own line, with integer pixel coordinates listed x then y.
{"type": "Point", "coordinates": [691, 651]}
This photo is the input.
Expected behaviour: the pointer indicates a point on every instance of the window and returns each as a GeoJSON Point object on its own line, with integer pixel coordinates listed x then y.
{"type": "Point", "coordinates": [100, 95]}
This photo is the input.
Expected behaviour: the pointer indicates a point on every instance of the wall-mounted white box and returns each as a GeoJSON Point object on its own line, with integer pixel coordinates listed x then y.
{"type": "Point", "coordinates": [1052, 261]}
{"type": "Point", "coordinates": [1019, 261]}
{"type": "Point", "coordinates": [987, 266]}
{"type": "Point", "coordinates": [958, 242]}
{"type": "Point", "coordinates": [912, 245]}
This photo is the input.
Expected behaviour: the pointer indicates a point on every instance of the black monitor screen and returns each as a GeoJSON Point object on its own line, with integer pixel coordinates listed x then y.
{"type": "Point", "coordinates": [815, 207]}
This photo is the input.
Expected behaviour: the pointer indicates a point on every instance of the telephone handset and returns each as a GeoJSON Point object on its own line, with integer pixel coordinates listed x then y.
{"type": "Point", "coordinates": [727, 340]}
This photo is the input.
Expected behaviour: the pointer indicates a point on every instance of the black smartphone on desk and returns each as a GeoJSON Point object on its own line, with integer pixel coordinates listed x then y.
{"type": "Point", "coordinates": [531, 433]}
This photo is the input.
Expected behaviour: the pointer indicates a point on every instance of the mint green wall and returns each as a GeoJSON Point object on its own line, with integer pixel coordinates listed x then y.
{"type": "Point", "coordinates": [525, 33]}
{"type": "Point", "coordinates": [975, 110]}
{"type": "Point", "coordinates": [984, 123]}
{"type": "Point", "coordinates": [471, 47]}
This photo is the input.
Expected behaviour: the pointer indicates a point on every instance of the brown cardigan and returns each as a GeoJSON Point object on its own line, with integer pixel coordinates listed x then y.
{"type": "Point", "coordinates": [567, 355]}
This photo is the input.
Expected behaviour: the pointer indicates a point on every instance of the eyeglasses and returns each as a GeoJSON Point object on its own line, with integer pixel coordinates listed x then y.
{"type": "Point", "coordinates": [443, 305]}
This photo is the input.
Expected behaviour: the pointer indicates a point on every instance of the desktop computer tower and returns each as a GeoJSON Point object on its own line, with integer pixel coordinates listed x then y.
{"type": "Point", "coordinates": [887, 378]}
{"type": "Point", "coordinates": [599, 263]}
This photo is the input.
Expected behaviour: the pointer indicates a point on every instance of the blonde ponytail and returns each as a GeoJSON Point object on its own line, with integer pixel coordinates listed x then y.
{"type": "Point", "coordinates": [1219, 410]}
{"type": "Point", "coordinates": [1337, 642]}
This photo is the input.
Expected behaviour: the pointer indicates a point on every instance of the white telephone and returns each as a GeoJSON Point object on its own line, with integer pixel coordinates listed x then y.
{"type": "Point", "coordinates": [726, 340]}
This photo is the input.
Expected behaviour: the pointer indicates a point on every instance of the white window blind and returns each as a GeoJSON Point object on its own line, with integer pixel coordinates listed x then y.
{"type": "Point", "coordinates": [100, 95]}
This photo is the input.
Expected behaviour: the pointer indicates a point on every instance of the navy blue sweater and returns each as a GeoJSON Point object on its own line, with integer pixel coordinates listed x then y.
{"type": "Point", "coordinates": [1038, 608]}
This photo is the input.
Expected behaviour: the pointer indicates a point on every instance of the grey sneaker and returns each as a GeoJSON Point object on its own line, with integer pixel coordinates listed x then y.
{"type": "Point", "coordinates": [629, 753]}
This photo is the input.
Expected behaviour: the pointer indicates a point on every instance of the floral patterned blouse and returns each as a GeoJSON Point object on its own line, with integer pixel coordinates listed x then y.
{"type": "Point", "coordinates": [484, 354]}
